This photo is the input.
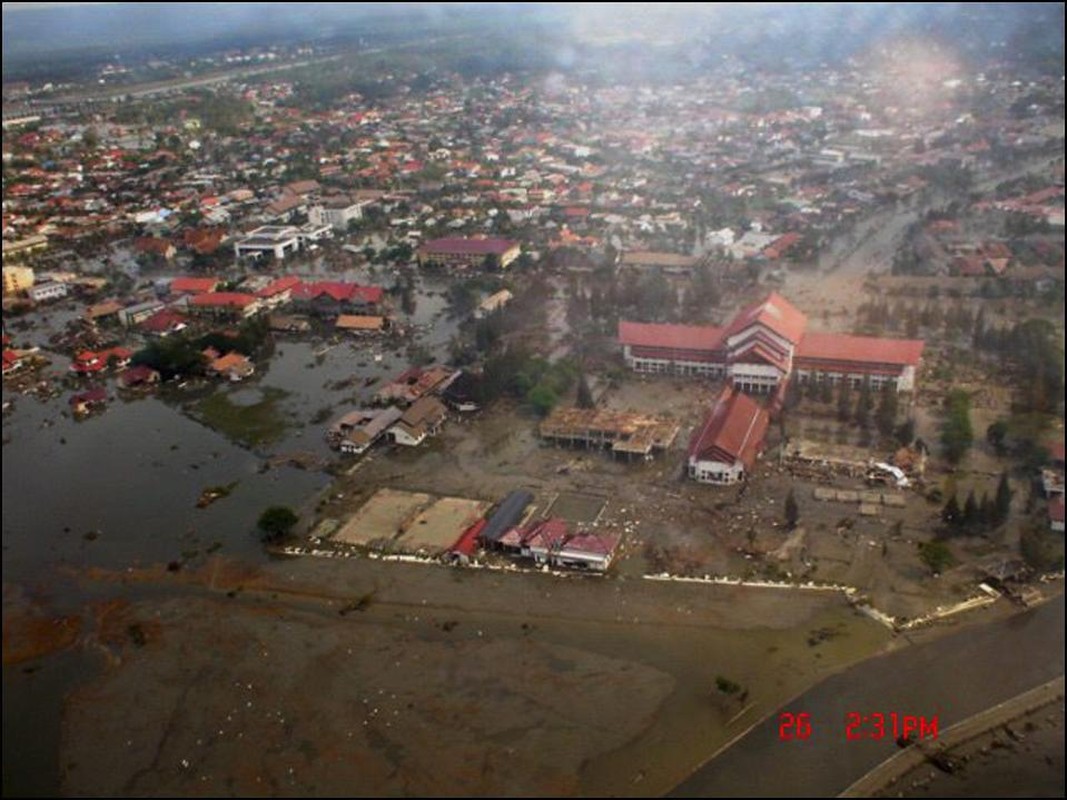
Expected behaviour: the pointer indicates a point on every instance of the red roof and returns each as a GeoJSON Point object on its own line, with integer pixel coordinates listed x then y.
{"type": "Point", "coordinates": [781, 245]}
{"type": "Point", "coordinates": [222, 299]}
{"type": "Point", "coordinates": [203, 241]}
{"type": "Point", "coordinates": [139, 374]}
{"type": "Point", "coordinates": [151, 244]}
{"type": "Point", "coordinates": [760, 351]}
{"type": "Point", "coordinates": [338, 291]}
{"type": "Point", "coordinates": [775, 313]}
{"type": "Point", "coordinates": [97, 394]}
{"type": "Point", "coordinates": [279, 285]}
{"type": "Point", "coordinates": [462, 246]}
{"type": "Point", "coordinates": [468, 541]}
{"type": "Point", "coordinates": [163, 321]}
{"type": "Point", "coordinates": [733, 431]}
{"type": "Point", "coordinates": [601, 544]}
{"type": "Point", "coordinates": [11, 358]}
{"type": "Point", "coordinates": [859, 349]}
{"type": "Point", "coordinates": [549, 534]}
{"type": "Point", "coordinates": [193, 285]}
{"type": "Point", "coordinates": [678, 337]}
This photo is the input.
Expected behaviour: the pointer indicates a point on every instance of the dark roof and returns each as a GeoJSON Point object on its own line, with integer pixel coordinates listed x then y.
{"type": "Point", "coordinates": [507, 514]}
{"type": "Point", "coordinates": [465, 388]}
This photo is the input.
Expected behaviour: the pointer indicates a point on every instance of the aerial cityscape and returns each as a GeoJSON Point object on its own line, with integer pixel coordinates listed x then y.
{"type": "Point", "coordinates": [533, 399]}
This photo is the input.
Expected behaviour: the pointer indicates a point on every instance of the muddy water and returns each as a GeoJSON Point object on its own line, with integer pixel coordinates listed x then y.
{"type": "Point", "coordinates": [120, 489]}
{"type": "Point", "coordinates": [129, 478]}
{"type": "Point", "coordinates": [132, 475]}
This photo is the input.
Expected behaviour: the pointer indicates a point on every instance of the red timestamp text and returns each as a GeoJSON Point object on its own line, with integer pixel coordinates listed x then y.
{"type": "Point", "coordinates": [902, 728]}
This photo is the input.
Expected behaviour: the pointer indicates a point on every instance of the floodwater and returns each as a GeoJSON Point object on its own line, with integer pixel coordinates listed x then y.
{"type": "Point", "coordinates": [119, 489]}
{"type": "Point", "coordinates": [130, 476]}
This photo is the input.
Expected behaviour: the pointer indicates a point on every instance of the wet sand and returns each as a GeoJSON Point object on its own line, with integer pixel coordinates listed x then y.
{"type": "Point", "coordinates": [435, 680]}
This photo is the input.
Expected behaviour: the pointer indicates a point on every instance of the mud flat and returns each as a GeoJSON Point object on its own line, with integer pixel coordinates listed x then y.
{"type": "Point", "coordinates": [438, 681]}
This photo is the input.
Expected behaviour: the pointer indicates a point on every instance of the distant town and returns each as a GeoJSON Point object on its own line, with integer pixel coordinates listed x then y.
{"type": "Point", "coordinates": [794, 329]}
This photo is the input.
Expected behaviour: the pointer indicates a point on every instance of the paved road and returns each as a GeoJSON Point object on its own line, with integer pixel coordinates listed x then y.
{"type": "Point", "coordinates": [952, 678]}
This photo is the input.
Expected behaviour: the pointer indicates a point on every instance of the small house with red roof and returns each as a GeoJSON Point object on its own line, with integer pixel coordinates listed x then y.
{"type": "Point", "coordinates": [138, 377]}
{"type": "Point", "coordinates": [233, 366]}
{"type": "Point", "coordinates": [725, 447]}
{"type": "Point", "coordinates": [85, 403]}
{"type": "Point", "coordinates": [164, 323]}
{"type": "Point", "coordinates": [89, 362]}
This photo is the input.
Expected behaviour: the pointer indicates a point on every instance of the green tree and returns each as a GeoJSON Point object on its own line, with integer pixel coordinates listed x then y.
{"type": "Point", "coordinates": [656, 298]}
{"type": "Point", "coordinates": [951, 514]}
{"type": "Point", "coordinates": [864, 405]}
{"type": "Point", "coordinates": [1002, 503]}
{"type": "Point", "coordinates": [906, 432]}
{"type": "Point", "coordinates": [792, 512]}
{"type": "Point", "coordinates": [971, 511]}
{"type": "Point", "coordinates": [1040, 549]}
{"type": "Point", "coordinates": [826, 392]}
{"type": "Point", "coordinates": [987, 511]}
{"type": "Point", "coordinates": [844, 401]}
{"type": "Point", "coordinates": [542, 399]}
{"type": "Point", "coordinates": [886, 417]}
{"type": "Point", "coordinates": [995, 434]}
{"type": "Point", "coordinates": [956, 431]}
{"type": "Point", "coordinates": [276, 522]}
{"type": "Point", "coordinates": [936, 556]}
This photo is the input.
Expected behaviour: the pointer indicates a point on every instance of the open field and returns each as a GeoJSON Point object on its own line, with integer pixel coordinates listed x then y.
{"type": "Point", "coordinates": [441, 523]}
{"type": "Point", "coordinates": [384, 517]}
{"type": "Point", "coordinates": [443, 681]}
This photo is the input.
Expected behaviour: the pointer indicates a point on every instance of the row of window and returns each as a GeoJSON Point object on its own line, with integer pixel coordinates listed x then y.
{"type": "Point", "coordinates": [754, 384]}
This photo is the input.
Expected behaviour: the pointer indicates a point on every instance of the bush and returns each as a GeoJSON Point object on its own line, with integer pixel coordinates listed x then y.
{"type": "Point", "coordinates": [936, 556]}
{"type": "Point", "coordinates": [276, 522]}
{"type": "Point", "coordinates": [726, 686]}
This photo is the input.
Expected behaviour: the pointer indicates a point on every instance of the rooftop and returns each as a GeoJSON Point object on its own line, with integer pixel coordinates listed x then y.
{"type": "Point", "coordinates": [733, 431]}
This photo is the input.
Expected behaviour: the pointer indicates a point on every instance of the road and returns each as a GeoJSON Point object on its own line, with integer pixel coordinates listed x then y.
{"type": "Point", "coordinates": [952, 678]}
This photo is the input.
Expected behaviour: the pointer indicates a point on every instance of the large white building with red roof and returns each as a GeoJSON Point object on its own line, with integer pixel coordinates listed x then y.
{"type": "Point", "coordinates": [765, 344]}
